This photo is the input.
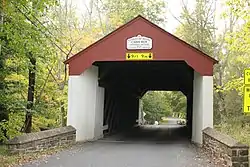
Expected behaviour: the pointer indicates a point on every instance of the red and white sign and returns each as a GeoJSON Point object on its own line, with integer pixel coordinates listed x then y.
{"type": "Point", "coordinates": [139, 43]}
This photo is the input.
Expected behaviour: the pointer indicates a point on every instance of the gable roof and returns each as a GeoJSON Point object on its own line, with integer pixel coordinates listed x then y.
{"type": "Point", "coordinates": [139, 17]}
{"type": "Point", "coordinates": [166, 47]}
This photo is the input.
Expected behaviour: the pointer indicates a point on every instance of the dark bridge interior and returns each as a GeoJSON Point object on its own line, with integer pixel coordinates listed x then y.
{"type": "Point", "coordinates": [126, 82]}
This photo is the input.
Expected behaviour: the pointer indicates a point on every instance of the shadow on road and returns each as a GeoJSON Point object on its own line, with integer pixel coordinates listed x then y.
{"type": "Point", "coordinates": [152, 133]}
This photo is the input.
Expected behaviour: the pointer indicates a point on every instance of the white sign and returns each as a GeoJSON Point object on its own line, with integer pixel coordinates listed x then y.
{"type": "Point", "coordinates": [139, 42]}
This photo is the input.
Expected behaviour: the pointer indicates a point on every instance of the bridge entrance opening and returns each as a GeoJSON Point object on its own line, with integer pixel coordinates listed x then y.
{"type": "Point", "coordinates": [109, 78]}
{"type": "Point", "coordinates": [126, 83]}
{"type": "Point", "coordinates": [163, 108]}
{"type": "Point", "coordinates": [161, 118]}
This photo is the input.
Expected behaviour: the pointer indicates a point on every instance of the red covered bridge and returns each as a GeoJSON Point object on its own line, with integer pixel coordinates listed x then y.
{"type": "Point", "coordinates": [108, 79]}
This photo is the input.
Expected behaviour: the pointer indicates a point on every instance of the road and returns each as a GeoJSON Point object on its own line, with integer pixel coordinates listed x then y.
{"type": "Point", "coordinates": [172, 120]}
{"type": "Point", "coordinates": [149, 146]}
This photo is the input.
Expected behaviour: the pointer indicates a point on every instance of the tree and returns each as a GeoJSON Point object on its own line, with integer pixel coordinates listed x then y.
{"type": "Point", "coordinates": [177, 102]}
{"type": "Point", "coordinates": [238, 49]}
{"type": "Point", "coordinates": [33, 85]}
{"type": "Point", "coordinates": [3, 72]}
{"type": "Point", "coordinates": [158, 104]}
{"type": "Point", "coordinates": [197, 26]}
{"type": "Point", "coordinates": [114, 13]}
{"type": "Point", "coordinates": [231, 47]}
{"type": "Point", "coordinates": [154, 106]}
{"type": "Point", "coordinates": [31, 45]}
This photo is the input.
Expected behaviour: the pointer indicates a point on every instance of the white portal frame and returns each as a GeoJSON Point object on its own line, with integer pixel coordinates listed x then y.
{"type": "Point", "coordinates": [86, 105]}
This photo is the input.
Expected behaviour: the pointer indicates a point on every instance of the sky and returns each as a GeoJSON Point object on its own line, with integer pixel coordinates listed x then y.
{"type": "Point", "coordinates": [173, 9]}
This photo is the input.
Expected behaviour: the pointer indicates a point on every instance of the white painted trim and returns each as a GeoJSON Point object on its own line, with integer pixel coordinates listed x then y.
{"type": "Point", "coordinates": [202, 106]}
{"type": "Point", "coordinates": [86, 105]}
{"type": "Point", "coordinates": [105, 127]}
{"type": "Point", "coordinates": [141, 120]}
{"type": "Point", "coordinates": [207, 101]}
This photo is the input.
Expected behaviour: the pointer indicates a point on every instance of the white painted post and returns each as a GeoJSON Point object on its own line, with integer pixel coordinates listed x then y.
{"type": "Point", "coordinates": [207, 101]}
{"type": "Point", "coordinates": [140, 112]}
{"type": "Point", "coordinates": [99, 113]}
{"type": "Point", "coordinates": [202, 106]}
{"type": "Point", "coordinates": [76, 105]}
{"type": "Point", "coordinates": [85, 105]}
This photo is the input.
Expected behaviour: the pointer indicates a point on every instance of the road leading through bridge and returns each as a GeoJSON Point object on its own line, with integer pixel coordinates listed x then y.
{"type": "Point", "coordinates": [147, 146]}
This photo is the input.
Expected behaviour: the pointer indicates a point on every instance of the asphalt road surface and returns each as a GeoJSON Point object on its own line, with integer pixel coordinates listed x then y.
{"type": "Point", "coordinates": [148, 146]}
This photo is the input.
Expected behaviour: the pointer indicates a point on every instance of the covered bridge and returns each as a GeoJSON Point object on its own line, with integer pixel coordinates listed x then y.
{"type": "Point", "coordinates": [108, 79]}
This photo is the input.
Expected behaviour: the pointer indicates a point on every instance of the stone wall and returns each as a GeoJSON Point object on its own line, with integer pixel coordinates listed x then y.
{"type": "Point", "coordinates": [38, 141]}
{"type": "Point", "coordinates": [224, 150]}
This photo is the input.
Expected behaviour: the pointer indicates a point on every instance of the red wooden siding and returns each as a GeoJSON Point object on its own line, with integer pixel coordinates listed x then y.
{"type": "Point", "coordinates": [165, 47]}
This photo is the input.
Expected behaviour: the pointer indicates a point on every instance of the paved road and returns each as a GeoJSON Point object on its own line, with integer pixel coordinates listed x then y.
{"type": "Point", "coordinates": [149, 146]}
{"type": "Point", "coordinates": [172, 120]}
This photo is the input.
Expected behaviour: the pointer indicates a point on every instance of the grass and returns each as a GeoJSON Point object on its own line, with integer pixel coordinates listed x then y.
{"type": "Point", "coordinates": [237, 131]}
{"type": "Point", "coordinates": [8, 160]}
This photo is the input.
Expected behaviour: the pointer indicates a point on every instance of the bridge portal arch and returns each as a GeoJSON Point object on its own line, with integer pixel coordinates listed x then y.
{"type": "Point", "coordinates": [108, 78]}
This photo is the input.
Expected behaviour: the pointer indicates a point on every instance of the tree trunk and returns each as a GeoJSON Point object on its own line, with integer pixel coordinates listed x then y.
{"type": "Point", "coordinates": [63, 120]}
{"type": "Point", "coordinates": [30, 99]}
{"type": "Point", "coordinates": [4, 115]}
{"type": "Point", "coordinates": [2, 19]}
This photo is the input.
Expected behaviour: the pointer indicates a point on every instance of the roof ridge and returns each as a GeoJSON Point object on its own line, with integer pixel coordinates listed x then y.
{"type": "Point", "coordinates": [103, 38]}
{"type": "Point", "coordinates": [131, 22]}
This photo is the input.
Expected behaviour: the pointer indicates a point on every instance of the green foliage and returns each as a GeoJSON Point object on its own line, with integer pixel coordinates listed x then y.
{"type": "Point", "coordinates": [177, 101]}
{"type": "Point", "coordinates": [154, 106]}
{"type": "Point", "coordinates": [238, 128]}
{"type": "Point", "coordinates": [51, 32]}
{"type": "Point", "coordinates": [23, 33]}
{"type": "Point", "coordinates": [238, 48]}
{"type": "Point", "coordinates": [232, 48]}
{"type": "Point", "coordinates": [197, 26]}
{"type": "Point", "coordinates": [237, 59]}
{"type": "Point", "coordinates": [12, 126]}
{"type": "Point", "coordinates": [118, 12]}
{"type": "Point", "coordinates": [163, 104]}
